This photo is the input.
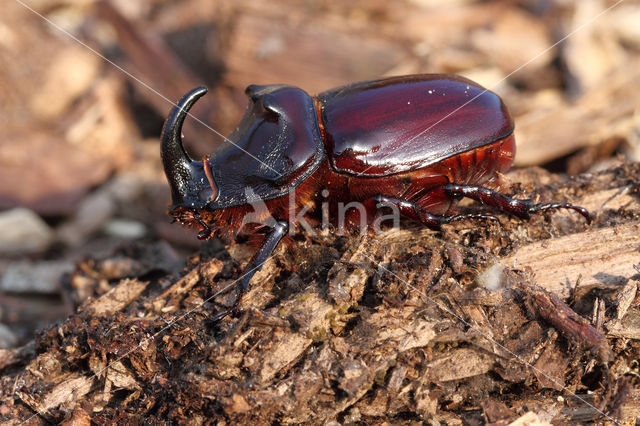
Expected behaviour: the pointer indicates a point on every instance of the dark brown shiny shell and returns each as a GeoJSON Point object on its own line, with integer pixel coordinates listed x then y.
{"type": "Point", "coordinates": [400, 124]}
{"type": "Point", "coordinates": [278, 145]}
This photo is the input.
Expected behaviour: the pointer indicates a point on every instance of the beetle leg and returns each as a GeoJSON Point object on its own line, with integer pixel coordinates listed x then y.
{"type": "Point", "coordinates": [520, 208]}
{"type": "Point", "coordinates": [269, 244]}
{"type": "Point", "coordinates": [414, 212]}
{"type": "Point", "coordinates": [206, 232]}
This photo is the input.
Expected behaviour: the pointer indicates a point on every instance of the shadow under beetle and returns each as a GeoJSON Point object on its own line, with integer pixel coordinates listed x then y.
{"type": "Point", "coordinates": [416, 143]}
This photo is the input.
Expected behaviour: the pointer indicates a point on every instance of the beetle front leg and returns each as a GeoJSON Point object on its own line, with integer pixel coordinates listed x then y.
{"type": "Point", "coordinates": [416, 213]}
{"type": "Point", "coordinates": [269, 244]}
{"type": "Point", "coordinates": [520, 208]}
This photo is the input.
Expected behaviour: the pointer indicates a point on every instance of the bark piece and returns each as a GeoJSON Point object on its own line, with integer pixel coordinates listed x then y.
{"type": "Point", "coordinates": [600, 257]}
{"type": "Point", "coordinates": [628, 327]}
{"type": "Point", "coordinates": [566, 321]}
{"type": "Point", "coordinates": [64, 388]}
{"type": "Point", "coordinates": [625, 298]}
{"type": "Point", "coordinates": [550, 368]}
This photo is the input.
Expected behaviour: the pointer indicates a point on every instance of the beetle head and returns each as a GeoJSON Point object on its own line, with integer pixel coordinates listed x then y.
{"type": "Point", "coordinates": [275, 147]}
{"type": "Point", "coordinates": [190, 186]}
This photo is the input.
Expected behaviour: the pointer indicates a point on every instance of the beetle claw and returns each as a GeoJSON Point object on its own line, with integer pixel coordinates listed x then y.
{"type": "Point", "coordinates": [204, 234]}
{"type": "Point", "coordinates": [554, 206]}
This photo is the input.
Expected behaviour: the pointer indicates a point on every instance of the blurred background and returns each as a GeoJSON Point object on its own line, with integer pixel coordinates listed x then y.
{"type": "Point", "coordinates": [85, 86]}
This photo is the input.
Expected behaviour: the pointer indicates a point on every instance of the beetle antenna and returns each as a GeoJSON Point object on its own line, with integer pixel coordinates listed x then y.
{"type": "Point", "coordinates": [177, 164]}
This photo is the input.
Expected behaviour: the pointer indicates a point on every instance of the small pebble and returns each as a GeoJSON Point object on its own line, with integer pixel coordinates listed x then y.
{"type": "Point", "coordinates": [7, 338]}
{"type": "Point", "coordinates": [23, 232]}
{"type": "Point", "coordinates": [92, 214]}
{"type": "Point", "coordinates": [33, 277]}
{"type": "Point", "coordinates": [125, 229]}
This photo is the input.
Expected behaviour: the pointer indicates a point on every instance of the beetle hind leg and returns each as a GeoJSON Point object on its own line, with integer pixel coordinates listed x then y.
{"type": "Point", "coordinates": [520, 208]}
{"type": "Point", "coordinates": [416, 213]}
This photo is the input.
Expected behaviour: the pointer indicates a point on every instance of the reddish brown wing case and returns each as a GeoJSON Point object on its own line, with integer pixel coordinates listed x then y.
{"type": "Point", "coordinates": [400, 124]}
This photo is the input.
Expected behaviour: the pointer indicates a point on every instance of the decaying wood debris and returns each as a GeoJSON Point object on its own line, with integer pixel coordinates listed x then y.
{"type": "Point", "coordinates": [461, 326]}
{"type": "Point", "coordinates": [517, 322]}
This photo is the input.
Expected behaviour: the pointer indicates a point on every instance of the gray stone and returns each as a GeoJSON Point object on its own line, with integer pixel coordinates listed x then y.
{"type": "Point", "coordinates": [23, 232]}
{"type": "Point", "coordinates": [33, 277]}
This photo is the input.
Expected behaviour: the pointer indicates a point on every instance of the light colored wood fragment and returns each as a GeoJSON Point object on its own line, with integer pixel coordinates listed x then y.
{"type": "Point", "coordinates": [116, 298]}
{"type": "Point", "coordinates": [290, 346]}
{"type": "Point", "coordinates": [598, 257]}
{"type": "Point", "coordinates": [610, 199]}
{"type": "Point", "coordinates": [628, 327]}
{"type": "Point", "coordinates": [625, 297]}
{"type": "Point", "coordinates": [461, 364]}
{"type": "Point", "coordinates": [185, 284]}
{"type": "Point", "coordinates": [402, 333]}
{"type": "Point", "coordinates": [121, 377]}
{"type": "Point", "coordinates": [68, 392]}
{"type": "Point", "coordinates": [529, 419]}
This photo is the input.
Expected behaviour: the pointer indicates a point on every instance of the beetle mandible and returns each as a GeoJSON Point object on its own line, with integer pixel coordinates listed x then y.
{"type": "Point", "coordinates": [415, 143]}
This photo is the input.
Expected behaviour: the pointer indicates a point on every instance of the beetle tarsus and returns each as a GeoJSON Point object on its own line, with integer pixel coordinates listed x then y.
{"type": "Point", "coordinates": [205, 234]}
{"type": "Point", "coordinates": [269, 244]}
{"type": "Point", "coordinates": [536, 208]}
{"type": "Point", "coordinates": [520, 208]}
{"type": "Point", "coordinates": [416, 213]}
{"type": "Point", "coordinates": [206, 231]}
{"type": "Point", "coordinates": [470, 216]}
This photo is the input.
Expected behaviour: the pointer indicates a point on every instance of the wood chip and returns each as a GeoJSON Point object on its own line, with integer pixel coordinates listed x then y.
{"type": "Point", "coordinates": [625, 298]}
{"type": "Point", "coordinates": [116, 299]}
{"type": "Point", "coordinates": [461, 364]}
{"type": "Point", "coordinates": [601, 256]}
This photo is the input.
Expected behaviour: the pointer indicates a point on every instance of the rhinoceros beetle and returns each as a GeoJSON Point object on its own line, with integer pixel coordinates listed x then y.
{"type": "Point", "coordinates": [415, 143]}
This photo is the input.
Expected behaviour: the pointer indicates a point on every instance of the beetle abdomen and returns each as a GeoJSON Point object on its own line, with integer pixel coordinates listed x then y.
{"type": "Point", "coordinates": [401, 124]}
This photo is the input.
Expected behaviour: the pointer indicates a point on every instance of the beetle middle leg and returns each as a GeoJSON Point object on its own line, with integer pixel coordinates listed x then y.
{"type": "Point", "coordinates": [416, 213]}
{"type": "Point", "coordinates": [269, 244]}
{"type": "Point", "coordinates": [520, 208]}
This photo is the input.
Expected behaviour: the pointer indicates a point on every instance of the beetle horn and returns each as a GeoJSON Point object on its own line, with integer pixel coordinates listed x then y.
{"type": "Point", "coordinates": [178, 167]}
